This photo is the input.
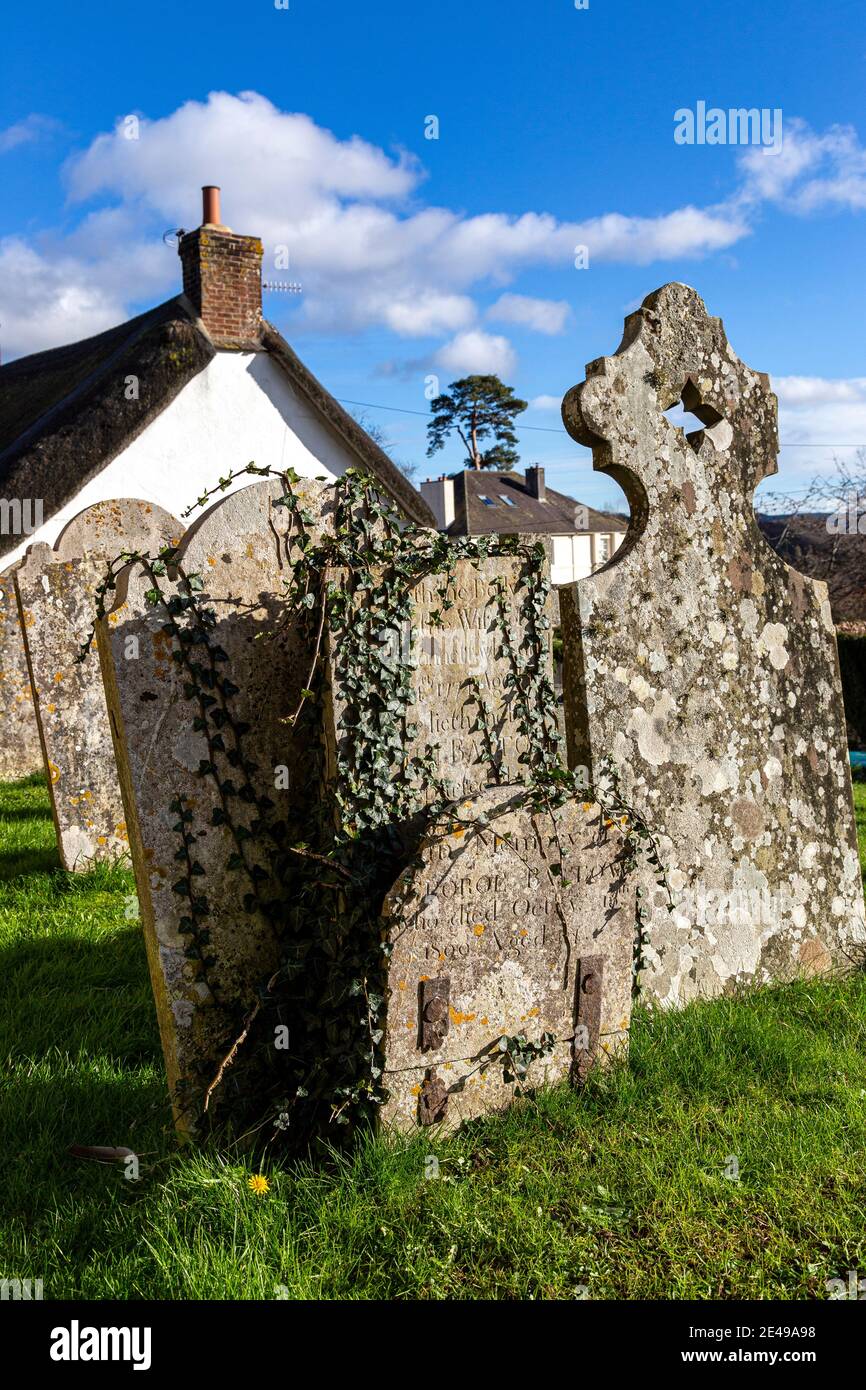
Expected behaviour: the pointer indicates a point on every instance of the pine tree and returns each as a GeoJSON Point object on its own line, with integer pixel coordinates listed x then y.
{"type": "Point", "coordinates": [476, 408]}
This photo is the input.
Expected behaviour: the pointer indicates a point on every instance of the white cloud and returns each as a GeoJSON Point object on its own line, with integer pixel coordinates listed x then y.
{"type": "Point", "coordinates": [546, 403]}
{"type": "Point", "coordinates": [541, 315]}
{"type": "Point", "coordinates": [819, 418]}
{"type": "Point", "coordinates": [475, 352]}
{"type": "Point", "coordinates": [25, 132]}
{"type": "Point", "coordinates": [809, 172]}
{"type": "Point", "coordinates": [367, 250]}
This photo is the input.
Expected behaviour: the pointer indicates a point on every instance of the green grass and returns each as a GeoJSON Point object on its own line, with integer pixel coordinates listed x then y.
{"type": "Point", "coordinates": [619, 1190]}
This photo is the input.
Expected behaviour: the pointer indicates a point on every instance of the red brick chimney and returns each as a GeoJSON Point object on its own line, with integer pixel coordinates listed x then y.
{"type": "Point", "coordinates": [222, 275]}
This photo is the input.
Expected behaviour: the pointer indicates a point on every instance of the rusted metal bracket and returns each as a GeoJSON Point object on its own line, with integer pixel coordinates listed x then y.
{"type": "Point", "coordinates": [433, 998]}
{"type": "Point", "coordinates": [432, 1099]}
{"type": "Point", "coordinates": [587, 1015]}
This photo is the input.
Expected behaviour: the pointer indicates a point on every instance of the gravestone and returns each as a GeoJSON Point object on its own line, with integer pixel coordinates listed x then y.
{"type": "Point", "coordinates": [705, 668]}
{"type": "Point", "coordinates": [511, 923]}
{"type": "Point", "coordinates": [464, 709]}
{"type": "Point", "coordinates": [206, 981]}
{"type": "Point", "coordinates": [20, 749]}
{"type": "Point", "coordinates": [57, 592]}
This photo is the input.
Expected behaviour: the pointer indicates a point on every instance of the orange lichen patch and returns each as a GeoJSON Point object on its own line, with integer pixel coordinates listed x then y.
{"type": "Point", "coordinates": [457, 831]}
{"type": "Point", "coordinates": [523, 931]}
{"type": "Point", "coordinates": [415, 1090]}
{"type": "Point", "coordinates": [102, 839]}
{"type": "Point", "coordinates": [484, 1022]}
{"type": "Point", "coordinates": [533, 1013]}
{"type": "Point", "coordinates": [457, 1018]}
{"type": "Point", "coordinates": [120, 831]}
{"type": "Point", "coordinates": [587, 805]}
{"type": "Point", "coordinates": [51, 708]}
{"type": "Point", "coordinates": [401, 984]}
{"type": "Point", "coordinates": [441, 955]}
{"type": "Point", "coordinates": [479, 929]}
{"type": "Point", "coordinates": [211, 559]}
{"type": "Point", "coordinates": [54, 772]}
{"type": "Point", "coordinates": [58, 675]}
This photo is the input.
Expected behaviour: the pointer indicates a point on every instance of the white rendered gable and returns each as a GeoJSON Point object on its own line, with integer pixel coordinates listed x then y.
{"type": "Point", "coordinates": [240, 409]}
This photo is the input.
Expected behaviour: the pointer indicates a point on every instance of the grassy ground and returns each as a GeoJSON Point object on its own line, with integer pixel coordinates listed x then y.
{"type": "Point", "coordinates": [619, 1192]}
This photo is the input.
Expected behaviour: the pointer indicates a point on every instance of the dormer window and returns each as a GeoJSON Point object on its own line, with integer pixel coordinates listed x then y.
{"type": "Point", "coordinates": [509, 501]}
{"type": "Point", "coordinates": [486, 500]}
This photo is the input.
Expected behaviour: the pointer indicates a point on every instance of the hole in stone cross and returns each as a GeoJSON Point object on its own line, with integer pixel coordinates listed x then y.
{"type": "Point", "coordinates": [694, 416]}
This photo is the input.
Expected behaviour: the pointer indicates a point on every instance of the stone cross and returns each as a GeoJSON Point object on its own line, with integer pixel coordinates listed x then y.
{"type": "Point", "coordinates": [20, 749]}
{"type": "Point", "coordinates": [512, 923]}
{"type": "Point", "coordinates": [197, 761]}
{"type": "Point", "coordinates": [705, 668]}
{"type": "Point", "coordinates": [57, 592]}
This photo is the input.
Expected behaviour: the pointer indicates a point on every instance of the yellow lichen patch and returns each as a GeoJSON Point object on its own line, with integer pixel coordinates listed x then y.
{"type": "Point", "coordinates": [88, 796]}
{"type": "Point", "coordinates": [457, 831]}
{"type": "Point", "coordinates": [51, 708]}
{"type": "Point", "coordinates": [457, 1018]}
{"type": "Point", "coordinates": [415, 1090]}
{"type": "Point", "coordinates": [120, 831]}
{"type": "Point", "coordinates": [401, 984]}
{"type": "Point", "coordinates": [479, 929]}
{"type": "Point", "coordinates": [102, 839]}
{"type": "Point", "coordinates": [533, 1013]}
{"type": "Point", "coordinates": [587, 805]}
{"type": "Point", "coordinates": [54, 772]}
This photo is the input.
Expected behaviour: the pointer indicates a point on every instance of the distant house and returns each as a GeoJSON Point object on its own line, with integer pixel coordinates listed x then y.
{"type": "Point", "coordinates": [159, 409]}
{"type": "Point", "coordinates": [481, 502]}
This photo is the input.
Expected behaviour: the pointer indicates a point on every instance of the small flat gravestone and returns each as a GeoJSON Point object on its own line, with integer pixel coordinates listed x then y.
{"type": "Point", "coordinates": [20, 749]}
{"type": "Point", "coordinates": [57, 592]}
{"type": "Point", "coordinates": [706, 669]}
{"type": "Point", "coordinates": [218, 746]}
{"type": "Point", "coordinates": [511, 923]}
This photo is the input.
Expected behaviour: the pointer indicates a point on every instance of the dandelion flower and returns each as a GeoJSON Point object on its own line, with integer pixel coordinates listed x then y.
{"type": "Point", "coordinates": [259, 1184]}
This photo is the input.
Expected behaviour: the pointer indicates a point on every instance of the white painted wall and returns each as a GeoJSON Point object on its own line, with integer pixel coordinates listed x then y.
{"type": "Point", "coordinates": [241, 408]}
{"type": "Point", "coordinates": [574, 557]}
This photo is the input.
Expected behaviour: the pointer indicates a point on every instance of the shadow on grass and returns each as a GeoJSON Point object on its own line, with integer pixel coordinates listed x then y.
{"type": "Point", "coordinates": [17, 863]}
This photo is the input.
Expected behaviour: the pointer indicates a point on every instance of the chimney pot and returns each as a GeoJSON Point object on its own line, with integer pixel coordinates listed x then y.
{"type": "Point", "coordinates": [210, 205]}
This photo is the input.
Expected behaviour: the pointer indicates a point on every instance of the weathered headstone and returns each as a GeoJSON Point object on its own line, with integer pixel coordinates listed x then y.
{"type": "Point", "coordinates": [706, 669]}
{"type": "Point", "coordinates": [512, 924]}
{"type": "Point", "coordinates": [219, 746]}
{"type": "Point", "coordinates": [57, 591]}
{"type": "Point", "coordinates": [469, 633]}
{"type": "Point", "coordinates": [20, 749]}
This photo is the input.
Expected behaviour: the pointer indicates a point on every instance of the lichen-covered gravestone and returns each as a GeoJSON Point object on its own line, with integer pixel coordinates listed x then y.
{"type": "Point", "coordinates": [512, 923]}
{"type": "Point", "coordinates": [213, 772]}
{"type": "Point", "coordinates": [706, 668]}
{"type": "Point", "coordinates": [58, 590]}
{"type": "Point", "coordinates": [20, 749]}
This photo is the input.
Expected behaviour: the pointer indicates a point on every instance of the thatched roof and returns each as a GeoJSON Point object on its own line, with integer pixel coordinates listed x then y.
{"type": "Point", "coordinates": [64, 414]}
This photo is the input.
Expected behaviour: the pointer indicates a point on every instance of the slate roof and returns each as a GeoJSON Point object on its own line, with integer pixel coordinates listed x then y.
{"type": "Point", "coordinates": [64, 414]}
{"type": "Point", "coordinates": [521, 512]}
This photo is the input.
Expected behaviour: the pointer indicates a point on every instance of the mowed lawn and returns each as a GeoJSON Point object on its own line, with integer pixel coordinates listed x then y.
{"type": "Point", "coordinates": [622, 1191]}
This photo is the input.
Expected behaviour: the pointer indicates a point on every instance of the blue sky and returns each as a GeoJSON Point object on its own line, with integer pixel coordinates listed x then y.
{"type": "Point", "coordinates": [422, 257]}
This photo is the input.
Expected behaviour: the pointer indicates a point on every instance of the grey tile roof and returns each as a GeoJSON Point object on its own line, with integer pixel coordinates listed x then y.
{"type": "Point", "coordinates": [512, 508]}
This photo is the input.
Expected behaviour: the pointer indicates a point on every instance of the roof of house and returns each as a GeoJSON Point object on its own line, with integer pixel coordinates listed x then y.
{"type": "Point", "coordinates": [511, 508]}
{"type": "Point", "coordinates": [64, 414]}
